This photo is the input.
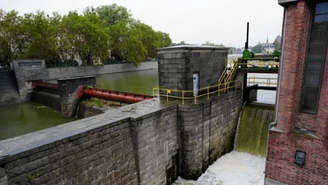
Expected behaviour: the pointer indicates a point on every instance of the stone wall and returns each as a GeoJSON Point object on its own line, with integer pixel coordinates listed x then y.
{"type": "Point", "coordinates": [176, 66]}
{"type": "Point", "coordinates": [251, 93]}
{"type": "Point", "coordinates": [8, 88]}
{"type": "Point", "coordinates": [71, 91]}
{"type": "Point", "coordinates": [143, 143]}
{"type": "Point", "coordinates": [27, 71]}
{"type": "Point", "coordinates": [207, 132]}
{"type": "Point", "coordinates": [45, 98]}
{"type": "Point", "coordinates": [84, 110]}
{"type": "Point", "coordinates": [156, 146]}
{"type": "Point", "coordinates": [69, 72]}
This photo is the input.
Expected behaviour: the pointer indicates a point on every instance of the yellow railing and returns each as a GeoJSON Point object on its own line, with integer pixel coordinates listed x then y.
{"type": "Point", "coordinates": [228, 74]}
{"type": "Point", "coordinates": [267, 82]}
{"type": "Point", "coordinates": [185, 95]}
{"type": "Point", "coordinates": [232, 72]}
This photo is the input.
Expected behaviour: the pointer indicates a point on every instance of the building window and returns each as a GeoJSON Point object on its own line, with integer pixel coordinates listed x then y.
{"type": "Point", "coordinates": [316, 55]}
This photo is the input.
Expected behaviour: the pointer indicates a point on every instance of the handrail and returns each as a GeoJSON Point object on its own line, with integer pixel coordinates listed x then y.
{"type": "Point", "coordinates": [268, 82]}
{"type": "Point", "coordinates": [223, 75]}
{"type": "Point", "coordinates": [184, 95]}
{"type": "Point", "coordinates": [232, 72]}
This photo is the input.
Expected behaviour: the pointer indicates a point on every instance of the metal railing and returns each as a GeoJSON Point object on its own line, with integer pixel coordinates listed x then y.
{"type": "Point", "coordinates": [228, 74]}
{"type": "Point", "coordinates": [192, 95]}
{"type": "Point", "coordinates": [262, 81]}
{"type": "Point", "coordinates": [268, 63]}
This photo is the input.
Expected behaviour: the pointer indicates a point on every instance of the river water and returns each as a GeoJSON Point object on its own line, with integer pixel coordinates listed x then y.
{"type": "Point", "coordinates": [28, 117]}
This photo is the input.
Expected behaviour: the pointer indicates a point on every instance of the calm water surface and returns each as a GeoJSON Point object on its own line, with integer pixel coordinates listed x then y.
{"type": "Point", "coordinates": [141, 82]}
{"type": "Point", "coordinates": [28, 117]}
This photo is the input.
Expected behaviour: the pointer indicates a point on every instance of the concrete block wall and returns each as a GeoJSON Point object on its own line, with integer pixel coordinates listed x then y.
{"type": "Point", "coordinates": [176, 66]}
{"type": "Point", "coordinates": [172, 70]}
{"type": "Point", "coordinates": [207, 132]}
{"type": "Point", "coordinates": [85, 110]}
{"type": "Point", "coordinates": [3, 177]}
{"type": "Point", "coordinates": [8, 88]}
{"type": "Point", "coordinates": [101, 155]}
{"type": "Point", "coordinates": [157, 146]}
{"type": "Point", "coordinates": [45, 98]}
{"type": "Point", "coordinates": [69, 93]}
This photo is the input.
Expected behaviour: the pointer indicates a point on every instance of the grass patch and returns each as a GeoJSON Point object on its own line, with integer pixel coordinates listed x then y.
{"type": "Point", "coordinates": [95, 102]}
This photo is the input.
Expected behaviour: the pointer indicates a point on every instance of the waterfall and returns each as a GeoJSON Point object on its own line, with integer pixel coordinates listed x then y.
{"type": "Point", "coordinates": [252, 131]}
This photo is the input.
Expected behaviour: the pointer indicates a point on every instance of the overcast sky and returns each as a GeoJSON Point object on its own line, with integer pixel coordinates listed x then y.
{"type": "Point", "coordinates": [192, 21]}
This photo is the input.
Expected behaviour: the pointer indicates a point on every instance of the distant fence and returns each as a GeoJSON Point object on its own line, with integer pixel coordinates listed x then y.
{"type": "Point", "coordinates": [62, 64]}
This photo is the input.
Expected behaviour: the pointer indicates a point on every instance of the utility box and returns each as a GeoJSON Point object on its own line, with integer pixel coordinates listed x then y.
{"type": "Point", "coordinates": [188, 67]}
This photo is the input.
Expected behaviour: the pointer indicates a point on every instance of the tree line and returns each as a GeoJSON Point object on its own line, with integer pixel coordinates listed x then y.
{"type": "Point", "coordinates": [97, 35]}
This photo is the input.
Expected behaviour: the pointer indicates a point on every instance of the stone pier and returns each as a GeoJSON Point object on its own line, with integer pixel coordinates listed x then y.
{"type": "Point", "coordinates": [68, 91]}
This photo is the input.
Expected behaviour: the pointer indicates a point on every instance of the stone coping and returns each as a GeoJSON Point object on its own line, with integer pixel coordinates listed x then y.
{"type": "Point", "coordinates": [30, 143]}
{"type": "Point", "coordinates": [192, 47]}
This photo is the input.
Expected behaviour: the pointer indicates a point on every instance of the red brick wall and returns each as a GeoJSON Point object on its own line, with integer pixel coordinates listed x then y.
{"type": "Point", "coordinates": [282, 146]}
{"type": "Point", "coordinates": [281, 154]}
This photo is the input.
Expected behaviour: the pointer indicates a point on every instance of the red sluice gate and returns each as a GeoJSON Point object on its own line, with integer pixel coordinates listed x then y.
{"type": "Point", "coordinates": [98, 93]}
{"type": "Point", "coordinates": [45, 85]}
{"type": "Point", "coordinates": [115, 95]}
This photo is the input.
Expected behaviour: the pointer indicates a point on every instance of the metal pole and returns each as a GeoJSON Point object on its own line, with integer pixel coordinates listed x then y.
{"type": "Point", "coordinates": [247, 36]}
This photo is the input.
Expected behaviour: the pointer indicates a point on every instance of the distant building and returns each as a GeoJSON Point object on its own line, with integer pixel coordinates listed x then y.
{"type": "Point", "coordinates": [298, 144]}
{"type": "Point", "coordinates": [268, 48]}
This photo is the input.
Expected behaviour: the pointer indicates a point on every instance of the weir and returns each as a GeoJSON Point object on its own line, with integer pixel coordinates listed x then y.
{"type": "Point", "coordinates": [252, 133]}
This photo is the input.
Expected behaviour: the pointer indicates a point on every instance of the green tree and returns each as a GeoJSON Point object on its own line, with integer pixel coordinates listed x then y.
{"type": "Point", "coordinates": [12, 39]}
{"type": "Point", "coordinates": [277, 42]}
{"type": "Point", "coordinates": [148, 38]}
{"type": "Point", "coordinates": [84, 37]}
{"type": "Point", "coordinates": [113, 14]}
{"type": "Point", "coordinates": [257, 48]}
{"type": "Point", "coordinates": [164, 39]}
{"type": "Point", "coordinates": [41, 31]}
{"type": "Point", "coordinates": [89, 37]}
{"type": "Point", "coordinates": [208, 43]}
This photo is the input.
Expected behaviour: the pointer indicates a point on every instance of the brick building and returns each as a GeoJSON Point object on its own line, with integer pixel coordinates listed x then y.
{"type": "Point", "coordinates": [298, 145]}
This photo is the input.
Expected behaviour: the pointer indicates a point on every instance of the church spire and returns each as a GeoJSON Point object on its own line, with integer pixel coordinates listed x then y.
{"type": "Point", "coordinates": [267, 39]}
